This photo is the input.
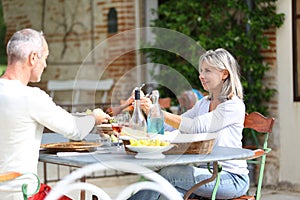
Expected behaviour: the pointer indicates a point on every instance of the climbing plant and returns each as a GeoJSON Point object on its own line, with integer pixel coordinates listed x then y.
{"type": "Point", "coordinates": [238, 26]}
{"type": "Point", "coordinates": [2, 41]}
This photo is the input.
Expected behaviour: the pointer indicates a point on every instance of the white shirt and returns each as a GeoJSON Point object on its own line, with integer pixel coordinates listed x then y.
{"type": "Point", "coordinates": [24, 113]}
{"type": "Point", "coordinates": [227, 119]}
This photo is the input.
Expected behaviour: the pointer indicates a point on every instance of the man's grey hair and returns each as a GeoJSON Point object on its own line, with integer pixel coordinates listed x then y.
{"type": "Point", "coordinates": [23, 43]}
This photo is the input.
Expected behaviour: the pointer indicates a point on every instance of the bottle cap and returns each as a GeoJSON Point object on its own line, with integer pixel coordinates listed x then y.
{"type": "Point", "coordinates": [137, 94]}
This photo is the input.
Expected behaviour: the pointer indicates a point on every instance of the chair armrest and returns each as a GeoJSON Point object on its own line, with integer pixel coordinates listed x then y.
{"type": "Point", "coordinates": [257, 153]}
{"type": "Point", "coordinates": [9, 176]}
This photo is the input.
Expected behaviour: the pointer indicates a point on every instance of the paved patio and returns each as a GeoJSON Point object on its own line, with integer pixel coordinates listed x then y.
{"type": "Point", "coordinates": [112, 185]}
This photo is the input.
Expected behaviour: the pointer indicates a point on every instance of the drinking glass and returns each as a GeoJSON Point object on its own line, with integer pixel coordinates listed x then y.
{"type": "Point", "coordinates": [117, 127]}
{"type": "Point", "coordinates": [127, 118]}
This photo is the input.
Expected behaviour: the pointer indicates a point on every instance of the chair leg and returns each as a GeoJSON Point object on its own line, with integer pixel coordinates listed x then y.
{"type": "Point", "coordinates": [216, 170]}
{"type": "Point", "coordinates": [260, 177]}
{"type": "Point", "coordinates": [214, 194]}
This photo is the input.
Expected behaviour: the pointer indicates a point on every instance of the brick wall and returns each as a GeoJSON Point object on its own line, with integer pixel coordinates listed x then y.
{"type": "Point", "coordinates": [270, 80]}
{"type": "Point", "coordinates": [102, 58]}
{"type": "Point", "coordinates": [78, 39]}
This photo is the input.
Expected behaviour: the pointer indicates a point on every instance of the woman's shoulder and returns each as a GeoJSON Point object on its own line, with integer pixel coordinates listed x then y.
{"type": "Point", "coordinates": [235, 102]}
{"type": "Point", "coordinates": [203, 100]}
{"type": "Point", "coordinates": [236, 99]}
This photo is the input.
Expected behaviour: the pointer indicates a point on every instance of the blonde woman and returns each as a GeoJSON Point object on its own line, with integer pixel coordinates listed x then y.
{"type": "Point", "coordinates": [222, 111]}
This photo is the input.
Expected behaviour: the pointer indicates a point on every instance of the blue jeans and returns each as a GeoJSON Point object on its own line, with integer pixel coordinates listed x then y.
{"type": "Point", "coordinates": [184, 177]}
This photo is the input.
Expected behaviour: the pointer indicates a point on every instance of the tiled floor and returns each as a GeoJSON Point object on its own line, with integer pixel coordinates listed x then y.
{"type": "Point", "coordinates": [279, 195]}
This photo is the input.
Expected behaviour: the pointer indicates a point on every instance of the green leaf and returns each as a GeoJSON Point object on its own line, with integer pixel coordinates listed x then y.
{"type": "Point", "coordinates": [221, 23]}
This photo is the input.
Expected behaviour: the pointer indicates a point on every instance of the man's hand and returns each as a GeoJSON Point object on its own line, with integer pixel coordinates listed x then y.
{"type": "Point", "coordinates": [100, 116]}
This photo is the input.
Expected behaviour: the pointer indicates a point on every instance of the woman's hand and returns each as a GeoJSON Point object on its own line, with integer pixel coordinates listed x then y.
{"type": "Point", "coordinates": [100, 116]}
{"type": "Point", "coordinates": [145, 104]}
{"type": "Point", "coordinates": [129, 101]}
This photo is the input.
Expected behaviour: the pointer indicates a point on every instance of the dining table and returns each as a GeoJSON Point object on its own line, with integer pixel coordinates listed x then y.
{"type": "Point", "coordinates": [104, 154]}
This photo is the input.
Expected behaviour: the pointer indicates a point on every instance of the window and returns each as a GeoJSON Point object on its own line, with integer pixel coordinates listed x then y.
{"type": "Point", "coordinates": [112, 21]}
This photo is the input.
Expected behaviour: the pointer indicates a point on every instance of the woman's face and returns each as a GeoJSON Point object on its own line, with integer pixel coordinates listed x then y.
{"type": "Point", "coordinates": [212, 78]}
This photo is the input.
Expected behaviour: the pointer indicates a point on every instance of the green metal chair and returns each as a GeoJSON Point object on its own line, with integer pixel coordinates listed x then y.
{"type": "Point", "coordinates": [260, 127]}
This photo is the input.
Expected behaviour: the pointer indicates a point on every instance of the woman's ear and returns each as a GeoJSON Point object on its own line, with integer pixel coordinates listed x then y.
{"type": "Point", "coordinates": [225, 74]}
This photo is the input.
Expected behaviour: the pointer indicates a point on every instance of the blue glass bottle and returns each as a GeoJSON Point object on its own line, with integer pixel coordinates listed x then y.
{"type": "Point", "coordinates": [155, 119]}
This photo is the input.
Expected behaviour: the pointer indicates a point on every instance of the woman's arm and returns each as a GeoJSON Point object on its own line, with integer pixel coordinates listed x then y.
{"type": "Point", "coordinates": [172, 119]}
{"type": "Point", "coordinates": [229, 113]}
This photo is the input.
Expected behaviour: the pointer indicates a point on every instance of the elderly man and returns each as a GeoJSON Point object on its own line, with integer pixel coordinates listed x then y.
{"type": "Point", "coordinates": [25, 111]}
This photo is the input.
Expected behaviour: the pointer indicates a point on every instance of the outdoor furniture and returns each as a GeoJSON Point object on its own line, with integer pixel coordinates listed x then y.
{"type": "Point", "coordinates": [53, 172]}
{"type": "Point", "coordinates": [259, 125]}
{"type": "Point", "coordinates": [165, 103]}
{"type": "Point", "coordinates": [27, 183]}
{"type": "Point", "coordinates": [76, 86]}
{"type": "Point", "coordinates": [107, 155]}
{"type": "Point", "coordinates": [154, 182]}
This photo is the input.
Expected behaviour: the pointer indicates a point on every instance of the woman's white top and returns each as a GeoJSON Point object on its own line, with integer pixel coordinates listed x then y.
{"type": "Point", "coordinates": [227, 120]}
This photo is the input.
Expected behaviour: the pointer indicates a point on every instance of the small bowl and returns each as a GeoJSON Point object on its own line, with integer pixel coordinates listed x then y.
{"type": "Point", "coordinates": [150, 152]}
{"type": "Point", "coordinates": [104, 129]}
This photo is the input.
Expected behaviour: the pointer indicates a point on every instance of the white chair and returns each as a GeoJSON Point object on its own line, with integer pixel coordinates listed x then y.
{"type": "Point", "coordinates": [80, 85]}
{"type": "Point", "coordinates": [155, 183]}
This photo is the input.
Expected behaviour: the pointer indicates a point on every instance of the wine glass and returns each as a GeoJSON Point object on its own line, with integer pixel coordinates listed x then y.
{"type": "Point", "coordinates": [117, 127]}
{"type": "Point", "coordinates": [127, 118]}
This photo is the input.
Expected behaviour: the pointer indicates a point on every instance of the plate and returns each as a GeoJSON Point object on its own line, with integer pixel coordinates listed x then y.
{"type": "Point", "coordinates": [105, 128]}
{"type": "Point", "coordinates": [149, 152]}
{"type": "Point", "coordinates": [71, 146]}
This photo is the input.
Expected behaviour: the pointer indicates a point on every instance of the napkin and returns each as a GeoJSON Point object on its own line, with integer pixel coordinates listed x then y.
{"type": "Point", "coordinates": [61, 154]}
{"type": "Point", "coordinates": [74, 153]}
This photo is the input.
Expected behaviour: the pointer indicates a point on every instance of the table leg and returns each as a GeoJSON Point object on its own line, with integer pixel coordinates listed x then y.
{"type": "Point", "coordinates": [45, 172]}
{"type": "Point", "coordinates": [82, 192]}
{"type": "Point", "coordinates": [213, 177]}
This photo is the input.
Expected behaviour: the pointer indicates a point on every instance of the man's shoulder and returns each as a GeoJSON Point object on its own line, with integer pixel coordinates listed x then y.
{"type": "Point", "coordinates": [37, 94]}
{"type": "Point", "coordinates": [34, 89]}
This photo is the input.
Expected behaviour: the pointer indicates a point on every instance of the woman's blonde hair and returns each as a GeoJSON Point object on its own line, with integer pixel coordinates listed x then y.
{"type": "Point", "coordinates": [223, 60]}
